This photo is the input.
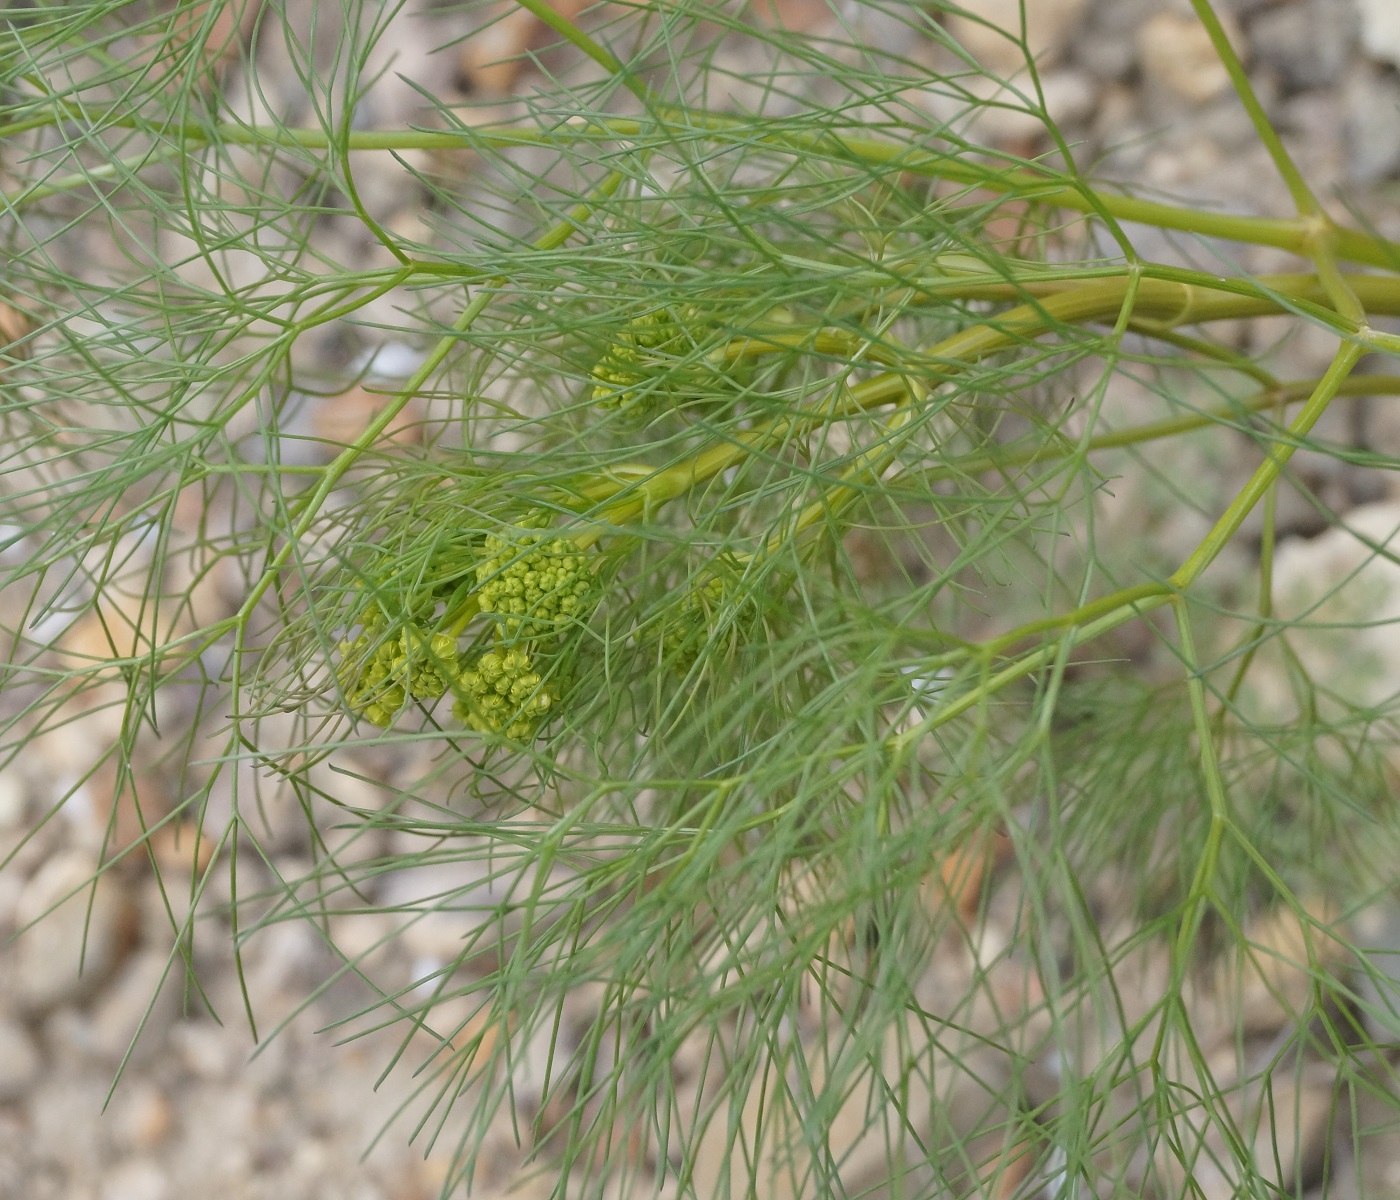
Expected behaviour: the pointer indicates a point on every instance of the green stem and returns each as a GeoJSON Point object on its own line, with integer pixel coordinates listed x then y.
{"type": "Point", "coordinates": [1163, 300]}
{"type": "Point", "coordinates": [1098, 617]}
{"type": "Point", "coordinates": [1129, 602]}
{"type": "Point", "coordinates": [576, 37]}
{"type": "Point", "coordinates": [667, 125]}
{"type": "Point", "coordinates": [1303, 199]}
{"type": "Point", "coordinates": [1203, 881]}
{"type": "Point", "coordinates": [1347, 356]}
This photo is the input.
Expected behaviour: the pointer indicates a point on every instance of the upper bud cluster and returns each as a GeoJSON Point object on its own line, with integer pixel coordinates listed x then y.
{"type": "Point", "coordinates": [539, 584]}
{"type": "Point", "coordinates": [649, 342]}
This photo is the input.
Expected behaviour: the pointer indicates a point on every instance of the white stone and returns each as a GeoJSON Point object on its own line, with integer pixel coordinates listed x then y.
{"type": "Point", "coordinates": [1380, 29]}
{"type": "Point", "coordinates": [1070, 96]}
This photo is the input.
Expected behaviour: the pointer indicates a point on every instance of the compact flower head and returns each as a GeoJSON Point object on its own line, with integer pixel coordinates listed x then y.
{"type": "Point", "coordinates": [503, 694]}
{"type": "Point", "coordinates": [537, 584]}
{"type": "Point", "coordinates": [383, 667]}
{"type": "Point", "coordinates": [532, 585]}
{"type": "Point", "coordinates": [650, 342]}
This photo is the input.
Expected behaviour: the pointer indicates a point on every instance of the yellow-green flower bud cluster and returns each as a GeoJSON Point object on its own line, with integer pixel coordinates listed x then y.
{"type": "Point", "coordinates": [647, 343]}
{"type": "Point", "coordinates": [690, 625]}
{"type": "Point", "coordinates": [503, 694]}
{"type": "Point", "coordinates": [538, 585]}
{"type": "Point", "coordinates": [532, 586]}
{"type": "Point", "coordinates": [381, 671]}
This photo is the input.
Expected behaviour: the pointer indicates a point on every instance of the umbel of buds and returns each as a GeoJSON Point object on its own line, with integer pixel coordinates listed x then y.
{"type": "Point", "coordinates": [626, 377]}
{"type": "Point", "coordinates": [501, 693]}
{"type": "Point", "coordinates": [390, 666]}
{"type": "Point", "coordinates": [535, 586]}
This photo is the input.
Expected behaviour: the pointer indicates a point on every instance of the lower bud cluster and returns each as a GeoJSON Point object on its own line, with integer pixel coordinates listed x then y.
{"type": "Point", "coordinates": [527, 590]}
{"type": "Point", "coordinates": [502, 693]}
{"type": "Point", "coordinates": [533, 588]}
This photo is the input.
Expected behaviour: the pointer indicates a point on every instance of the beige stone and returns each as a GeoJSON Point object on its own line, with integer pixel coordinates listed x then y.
{"type": "Point", "coordinates": [1177, 55]}
{"type": "Point", "coordinates": [76, 932]}
{"type": "Point", "coordinates": [1343, 593]}
{"type": "Point", "coordinates": [1380, 29]}
{"type": "Point", "coordinates": [992, 31]}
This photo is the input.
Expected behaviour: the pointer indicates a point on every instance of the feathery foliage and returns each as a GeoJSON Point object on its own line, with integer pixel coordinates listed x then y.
{"type": "Point", "coordinates": [727, 590]}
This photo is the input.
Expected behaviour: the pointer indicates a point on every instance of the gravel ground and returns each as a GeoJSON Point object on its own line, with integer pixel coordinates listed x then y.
{"type": "Point", "coordinates": [200, 1108]}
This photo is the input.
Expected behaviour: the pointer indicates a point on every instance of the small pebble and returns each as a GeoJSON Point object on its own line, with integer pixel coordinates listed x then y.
{"type": "Point", "coordinates": [1176, 54]}
{"type": "Point", "coordinates": [75, 933]}
{"type": "Point", "coordinates": [1050, 27]}
{"type": "Point", "coordinates": [1371, 97]}
{"type": "Point", "coordinates": [1380, 29]}
{"type": "Point", "coordinates": [141, 1116]}
{"type": "Point", "coordinates": [1309, 44]}
{"type": "Point", "coordinates": [19, 1061]}
{"type": "Point", "coordinates": [135, 1179]}
{"type": "Point", "coordinates": [14, 799]}
{"type": "Point", "coordinates": [205, 1050]}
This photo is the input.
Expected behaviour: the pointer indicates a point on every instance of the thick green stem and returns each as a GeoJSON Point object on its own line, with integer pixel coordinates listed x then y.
{"type": "Point", "coordinates": [1168, 302]}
